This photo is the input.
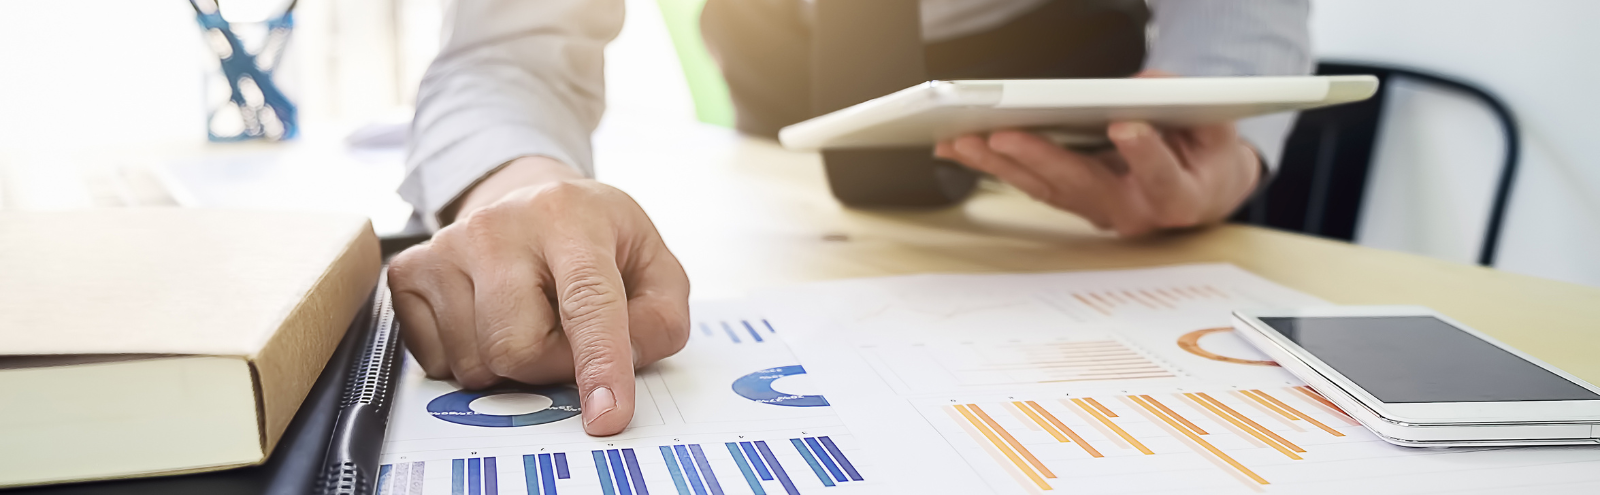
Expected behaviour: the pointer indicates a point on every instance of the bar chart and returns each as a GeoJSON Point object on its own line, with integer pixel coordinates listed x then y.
{"type": "Point", "coordinates": [1106, 303]}
{"type": "Point", "coordinates": [1242, 435]}
{"type": "Point", "coordinates": [731, 413]}
{"type": "Point", "coordinates": [402, 478]}
{"type": "Point", "coordinates": [779, 467]}
{"type": "Point", "coordinates": [742, 331]}
{"type": "Point", "coordinates": [938, 366]}
{"type": "Point", "coordinates": [539, 474]}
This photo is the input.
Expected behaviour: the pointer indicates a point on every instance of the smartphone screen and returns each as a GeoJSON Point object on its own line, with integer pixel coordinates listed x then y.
{"type": "Point", "coordinates": [1411, 359]}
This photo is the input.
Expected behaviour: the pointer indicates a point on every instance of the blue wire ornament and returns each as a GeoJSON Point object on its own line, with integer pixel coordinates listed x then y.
{"type": "Point", "coordinates": [251, 88]}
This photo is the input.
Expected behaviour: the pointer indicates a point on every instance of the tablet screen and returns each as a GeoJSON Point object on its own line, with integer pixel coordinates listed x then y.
{"type": "Point", "coordinates": [1410, 359]}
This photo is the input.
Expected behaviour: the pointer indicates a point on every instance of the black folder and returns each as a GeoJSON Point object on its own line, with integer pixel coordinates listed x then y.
{"type": "Point", "coordinates": [332, 444]}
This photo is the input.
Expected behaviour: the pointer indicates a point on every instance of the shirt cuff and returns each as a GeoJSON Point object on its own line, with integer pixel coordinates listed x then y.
{"type": "Point", "coordinates": [1268, 134]}
{"type": "Point", "coordinates": [435, 181]}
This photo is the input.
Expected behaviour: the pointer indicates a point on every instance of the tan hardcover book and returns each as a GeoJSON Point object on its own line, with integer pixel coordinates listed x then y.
{"type": "Point", "coordinates": [152, 341]}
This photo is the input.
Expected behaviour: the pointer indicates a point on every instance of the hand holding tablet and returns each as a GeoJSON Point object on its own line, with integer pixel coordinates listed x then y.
{"type": "Point", "coordinates": [1133, 156]}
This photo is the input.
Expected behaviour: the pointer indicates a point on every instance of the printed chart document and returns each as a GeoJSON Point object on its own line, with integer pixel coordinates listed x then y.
{"type": "Point", "coordinates": [732, 413]}
{"type": "Point", "coordinates": [1105, 382]}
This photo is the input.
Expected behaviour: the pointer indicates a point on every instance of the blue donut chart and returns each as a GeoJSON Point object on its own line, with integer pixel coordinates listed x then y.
{"type": "Point", "coordinates": [456, 407]}
{"type": "Point", "coordinates": [758, 387]}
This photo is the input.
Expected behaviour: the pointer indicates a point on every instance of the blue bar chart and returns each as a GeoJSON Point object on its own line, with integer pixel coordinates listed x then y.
{"type": "Point", "coordinates": [757, 467]}
{"type": "Point", "coordinates": [729, 414]}
{"type": "Point", "coordinates": [743, 331]}
{"type": "Point", "coordinates": [540, 472]}
{"type": "Point", "coordinates": [404, 478]}
{"type": "Point", "coordinates": [474, 476]}
{"type": "Point", "coordinates": [619, 473]}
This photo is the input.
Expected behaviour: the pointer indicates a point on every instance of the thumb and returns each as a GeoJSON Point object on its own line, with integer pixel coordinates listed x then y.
{"type": "Point", "coordinates": [594, 315]}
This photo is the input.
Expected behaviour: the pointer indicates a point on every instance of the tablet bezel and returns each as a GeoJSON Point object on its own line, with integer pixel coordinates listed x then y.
{"type": "Point", "coordinates": [925, 113]}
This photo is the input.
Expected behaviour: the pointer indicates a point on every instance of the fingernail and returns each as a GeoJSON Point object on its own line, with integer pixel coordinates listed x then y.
{"type": "Point", "coordinates": [600, 402]}
{"type": "Point", "coordinates": [1126, 132]}
{"type": "Point", "coordinates": [960, 148]}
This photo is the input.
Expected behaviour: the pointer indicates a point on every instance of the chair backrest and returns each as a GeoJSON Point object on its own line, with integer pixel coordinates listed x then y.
{"type": "Point", "coordinates": [1321, 182]}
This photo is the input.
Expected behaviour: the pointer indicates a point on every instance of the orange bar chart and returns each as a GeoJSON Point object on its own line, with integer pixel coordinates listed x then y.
{"type": "Point", "coordinates": [1095, 409]}
{"type": "Point", "coordinates": [1289, 411]}
{"type": "Point", "coordinates": [1242, 422]}
{"type": "Point", "coordinates": [1058, 362]}
{"type": "Point", "coordinates": [1228, 428]}
{"type": "Point", "coordinates": [1324, 403]}
{"type": "Point", "coordinates": [1114, 302]}
{"type": "Point", "coordinates": [1004, 442]}
{"type": "Point", "coordinates": [1053, 424]}
{"type": "Point", "coordinates": [1182, 426]}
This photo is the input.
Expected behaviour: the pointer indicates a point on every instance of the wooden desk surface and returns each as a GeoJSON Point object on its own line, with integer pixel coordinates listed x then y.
{"type": "Point", "coordinates": [743, 214]}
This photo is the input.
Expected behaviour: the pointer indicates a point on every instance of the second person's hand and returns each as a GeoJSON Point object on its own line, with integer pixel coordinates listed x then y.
{"type": "Point", "coordinates": [545, 277]}
{"type": "Point", "coordinates": [1154, 179]}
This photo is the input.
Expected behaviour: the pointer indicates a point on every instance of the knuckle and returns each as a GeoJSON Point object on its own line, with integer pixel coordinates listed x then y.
{"type": "Point", "coordinates": [487, 224]}
{"type": "Point", "coordinates": [677, 338]}
{"type": "Point", "coordinates": [586, 296]}
{"type": "Point", "coordinates": [503, 355]}
{"type": "Point", "coordinates": [560, 194]}
{"type": "Point", "coordinates": [472, 373]}
{"type": "Point", "coordinates": [436, 370]}
{"type": "Point", "coordinates": [407, 266]}
{"type": "Point", "coordinates": [505, 350]}
{"type": "Point", "coordinates": [597, 358]}
{"type": "Point", "coordinates": [672, 334]}
{"type": "Point", "coordinates": [427, 351]}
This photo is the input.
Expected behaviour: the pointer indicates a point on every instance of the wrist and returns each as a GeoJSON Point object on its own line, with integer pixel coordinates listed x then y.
{"type": "Point", "coordinates": [516, 174]}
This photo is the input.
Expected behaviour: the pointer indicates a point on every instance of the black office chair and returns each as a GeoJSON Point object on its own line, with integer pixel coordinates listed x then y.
{"type": "Point", "coordinates": [1321, 180]}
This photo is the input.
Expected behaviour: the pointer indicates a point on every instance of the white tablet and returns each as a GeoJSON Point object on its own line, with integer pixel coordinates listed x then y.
{"type": "Point", "coordinates": [1418, 378]}
{"type": "Point", "coordinates": [928, 112]}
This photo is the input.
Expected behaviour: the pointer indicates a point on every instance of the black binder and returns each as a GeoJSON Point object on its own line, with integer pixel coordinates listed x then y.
{"type": "Point", "coordinates": [332, 444]}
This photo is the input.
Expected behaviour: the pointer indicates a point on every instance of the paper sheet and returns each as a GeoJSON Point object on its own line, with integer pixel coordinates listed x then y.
{"type": "Point", "coordinates": [1105, 382]}
{"type": "Point", "coordinates": [733, 413]}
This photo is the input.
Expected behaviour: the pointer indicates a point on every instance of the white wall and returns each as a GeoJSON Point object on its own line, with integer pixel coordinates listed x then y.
{"type": "Point", "coordinates": [1538, 56]}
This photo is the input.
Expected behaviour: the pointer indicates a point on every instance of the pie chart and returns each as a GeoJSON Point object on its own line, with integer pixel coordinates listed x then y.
{"type": "Point", "coordinates": [1191, 342]}
{"type": "Point", "coordinates": [758, 387]}
{"type": "Point", "coordinates": [456, 407]}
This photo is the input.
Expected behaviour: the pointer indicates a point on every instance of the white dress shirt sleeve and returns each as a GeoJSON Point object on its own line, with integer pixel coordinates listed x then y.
{"type": "Point", "coordinates": [1235, 38]}
{"type": "Point", "coordinates": [513, 78]}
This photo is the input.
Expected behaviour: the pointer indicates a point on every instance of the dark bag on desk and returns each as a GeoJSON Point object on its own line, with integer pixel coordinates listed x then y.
{"type": "Point", "coordinates": [782, 68]}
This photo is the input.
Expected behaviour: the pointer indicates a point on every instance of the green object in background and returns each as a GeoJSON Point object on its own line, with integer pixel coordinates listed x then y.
{"type": "Point", "coordinates": [712, 104]}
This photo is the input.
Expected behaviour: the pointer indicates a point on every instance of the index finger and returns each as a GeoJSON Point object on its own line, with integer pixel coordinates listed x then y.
{"type": "Point", "coordinates": [594, 314]}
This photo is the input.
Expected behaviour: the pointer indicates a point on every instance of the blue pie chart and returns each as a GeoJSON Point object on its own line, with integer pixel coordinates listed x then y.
{"type": "Point", "coordinates": [758, 387]}
{"type": "Point", "coordinates": [456, 407]}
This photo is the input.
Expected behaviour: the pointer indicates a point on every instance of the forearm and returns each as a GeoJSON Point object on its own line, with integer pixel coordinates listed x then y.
{"type": "Point", "coordinates": [514, 79]}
